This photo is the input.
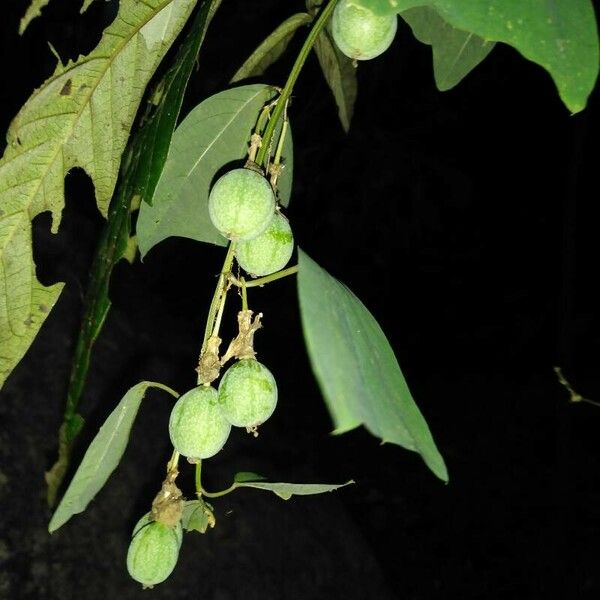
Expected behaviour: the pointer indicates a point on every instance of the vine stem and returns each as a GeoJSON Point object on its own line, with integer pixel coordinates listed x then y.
{"type": "Point", "coordinates": [286, 92]}
{"type": "Point", "coordinates": [220, 290]}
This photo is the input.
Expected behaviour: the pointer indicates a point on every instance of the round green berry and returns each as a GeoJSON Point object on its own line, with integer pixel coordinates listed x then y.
{"type": "Point", "coordinates": [241, 204]}
{"type": "Point", "coordinates": [196, 426]}
{"type": "Point", "coordinates": [270, 251]}
{"type": "Point", "coordinates": [359, 33]}
{"type": "Point", "coordinates": [153, 553]}
{"type": "Point", "coordinates": [147, 519]}
{"type": "Point", "coordinates": [247, 394]}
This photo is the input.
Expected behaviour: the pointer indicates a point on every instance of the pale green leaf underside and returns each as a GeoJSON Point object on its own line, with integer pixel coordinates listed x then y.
{"type": "Point", "coordinates": [559, 35]}
{"type": "Point", "coordinates": [214, 134]}
{"type": "Point", "coordinates": [103, 455]}
{"type": "Point", "coordinates": [81, 116]}
{"type": "Point", "coordinates": [340, 75]}
{"type": "Point", "coordinates": [33, 11]}
{"type": "Point", "coordinates": [455, 52]}
{"type": "Point", "coordinates": [271, 48]}
{"type": "Point", "coordinates": [287, 490]}
{"type": "Point", "coordinates": [356, 368]}
{"type": "Point", "coordinates": [86, 4]}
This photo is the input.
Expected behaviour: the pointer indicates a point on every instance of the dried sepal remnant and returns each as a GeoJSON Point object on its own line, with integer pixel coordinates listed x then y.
{"type": "Point", "coordinates": [167, 506]}
{"type": "Point", "coordinates": [242, 346]}
{"type": "Point", "coordinates": [209, 366]}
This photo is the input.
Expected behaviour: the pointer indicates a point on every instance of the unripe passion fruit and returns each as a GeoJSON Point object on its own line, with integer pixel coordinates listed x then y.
{"type": "Point", "coordinates": [270, 251]}
{"type": "Point", "coordinates": [147, 519]}
{"type": "Point", "coordinates": [196, 426]}
{"type": "Point", "coordinates": [359, 33]}
{"type": "Point", "coordinates": [247, 393]}
{"type": "Point", "coordinates": [241, 204]}
{"type": "Point", "coordinates": [153, 553]}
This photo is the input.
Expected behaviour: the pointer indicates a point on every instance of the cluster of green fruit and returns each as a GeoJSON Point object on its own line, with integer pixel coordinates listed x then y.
{"type": "Point", "coordinates": [359, 33]}
{"type": "Point", "coordinates": [243, 208]}
{"type": "Point", "coordinates": [199, 426]}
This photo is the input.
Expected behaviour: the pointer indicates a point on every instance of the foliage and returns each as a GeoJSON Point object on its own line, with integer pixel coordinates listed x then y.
{"type": "Point", "coordinates": [84, 116]}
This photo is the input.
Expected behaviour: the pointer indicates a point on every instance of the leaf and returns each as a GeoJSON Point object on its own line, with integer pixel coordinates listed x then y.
{"type": "Point", "coordinates": [213, 135]}
{"type": "Point", "coordinates": [356, 367]}
{"type": "Point", "coordinates": [455, 52]}
{"type": "Point", "coordinates": [81, 116]}
{"type": "Point", "coordinates": [103, 455]}
{"type": "Point", "coordinates": [146, 154]}
{"type": "Point", "coordinates": [340, 75]}
{"type": "Point", "coordinates": [86, 4]}
{"type": "Point", "coordinates": [287, 490]}
{"type": "Point", "coordinates": [33, 11]}
{"type": "Point", "coordinates": [562, 37]}
{"type": "Point", "coordinates": [197, 516]}
{"type": "Point", "coordinates": [244, 476]}
{"type": "Point", "coordinates": [271, 48]}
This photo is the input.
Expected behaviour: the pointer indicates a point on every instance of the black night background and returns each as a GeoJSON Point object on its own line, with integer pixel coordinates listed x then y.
{"type": "Point", "coordinates": [464, 220]}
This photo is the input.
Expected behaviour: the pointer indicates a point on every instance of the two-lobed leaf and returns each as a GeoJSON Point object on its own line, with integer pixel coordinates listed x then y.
{"type": "Point", "coordinates": [287, 490]}
{"type": "Point", "coordinates": [340, 75]}
{"type": "Point", "coordinates": [455, 52]}
{"type": "Point", "coordinates": [103, 455]}
{"type": "Point", "coordinates": [214, 134]}
{"type": "Point", "coordinates": [356, 368]}
{"type": "Point", "coordinates": [81, 116]}
{"type": "Point", "coordinates": [562, 36]}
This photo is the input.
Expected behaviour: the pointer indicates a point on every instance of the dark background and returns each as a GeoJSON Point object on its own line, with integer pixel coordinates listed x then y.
{"type": "Point", "coordinates": [464, 220]}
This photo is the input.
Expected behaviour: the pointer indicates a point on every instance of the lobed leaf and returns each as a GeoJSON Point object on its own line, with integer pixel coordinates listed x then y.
{"type": "Point", "coordinates": [340, 75]}
{"type": "Point", "coordinates": [356, 368]}
{"type": "Point", "coordinates": [271, 48]}
{"type": "Point", "coordinates": [146, 153]}
{"type": "Point", "coordinates": [80, 116]}
{"type": "Point", "coordinates": [103, 455]}
{"type": "Point", "coordinates": [213, 135]}
{"type": "Point", "coordinates": [562, 37]}
{"type": "Point", "coordinates": [287, 490]}
{"type": "Point", "coordinates": [455, 52]}
{"type": "Point", "coordinates": [33, 11]}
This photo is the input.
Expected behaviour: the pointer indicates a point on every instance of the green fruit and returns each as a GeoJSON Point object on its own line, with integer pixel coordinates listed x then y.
{"type": "Point", "coordinates": [359, 33]}
{"type": "Point", "coordinates": [196, 426]}
{"type": "Point", "coordinates": [247, 394]}
{"type": "Point", "coordinates": [270, 251]}
{"type": "Point", "coordinates": [153, 553]}
{"type": "Point", "coordinates": [147, 519]}
{"type": "Point", "coordinates": [241, 204]}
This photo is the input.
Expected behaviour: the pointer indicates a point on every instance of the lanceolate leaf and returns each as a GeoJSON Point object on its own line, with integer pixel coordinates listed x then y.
{"type": "Point", "coordinates": [103, 455]}
{"type": "Point", "coordinates": [356, 367]}
{"type": "Point", "coordinates": [86, 4]}
{"type": "Point", "coordinates": [455, 52]}
{"type": "Point", "coordinates": [340, 75]}
{"type": "Point", "coordinates": [146, 154]}
{"type": "Point", "coordinates": [81, 116]}
{"type": "Point", "coordinates": [561, 36]}
{"type": "Point", "coordinates": [271, 48]}
{"type": "Point", "coordinates": [213, 135]}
